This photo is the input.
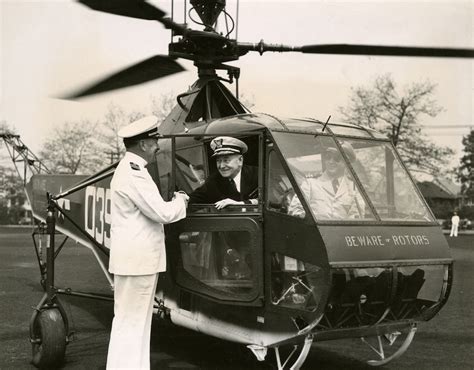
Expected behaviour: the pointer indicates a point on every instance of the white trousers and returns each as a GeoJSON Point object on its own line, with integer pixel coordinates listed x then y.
{"type": "Point", "coordinates": [129, 346]}
{"type": "Point", "coordinates": [454, 230]}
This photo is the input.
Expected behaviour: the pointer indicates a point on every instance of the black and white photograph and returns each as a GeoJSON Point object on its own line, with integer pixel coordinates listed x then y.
{"type": "Point", "coordinates": [236, 184]}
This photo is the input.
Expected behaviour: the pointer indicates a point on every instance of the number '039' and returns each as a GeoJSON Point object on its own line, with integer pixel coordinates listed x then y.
{"type": "Point", "coordinates": [97, 214]}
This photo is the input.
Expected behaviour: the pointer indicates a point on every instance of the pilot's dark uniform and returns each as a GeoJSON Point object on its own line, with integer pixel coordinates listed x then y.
{"type": "Point", "coordinates": [217, 188]}
{"type": "Point", "coordinates": [241, 186]}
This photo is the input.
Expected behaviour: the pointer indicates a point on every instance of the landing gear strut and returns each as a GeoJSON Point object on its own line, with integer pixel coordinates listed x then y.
{"type": "Point", "coordinates": [389, 346]}
{"type": "Point", "coordinates": [48, 324]}
{"type": "Point", "coordinates": [293, 357]}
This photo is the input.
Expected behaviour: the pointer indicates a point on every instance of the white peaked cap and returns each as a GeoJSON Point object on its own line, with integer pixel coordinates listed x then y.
{"type": "Point", "coordinates": [140, 129]}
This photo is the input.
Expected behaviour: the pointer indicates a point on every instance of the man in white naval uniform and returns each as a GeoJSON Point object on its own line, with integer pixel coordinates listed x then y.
{"type": "Point", "coordinates": [332, 196]}
{"type": "Point", "coordinates": [137, 252]}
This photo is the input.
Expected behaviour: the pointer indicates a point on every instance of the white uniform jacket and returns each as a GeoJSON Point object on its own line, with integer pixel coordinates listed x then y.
{"type": "Point", "coordinates": [138, 213]}
{"type": "Point", "coordinates": [346, 203]}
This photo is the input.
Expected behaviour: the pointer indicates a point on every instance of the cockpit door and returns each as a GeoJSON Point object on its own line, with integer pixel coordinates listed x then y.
{"type": "Point", "coordinates": [219, 257]}
{"type": "Point", "coordinates": [216, 254]}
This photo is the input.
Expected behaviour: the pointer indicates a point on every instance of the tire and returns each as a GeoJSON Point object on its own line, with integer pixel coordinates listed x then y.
{"type": "Point", "coordinates": [50, 331]}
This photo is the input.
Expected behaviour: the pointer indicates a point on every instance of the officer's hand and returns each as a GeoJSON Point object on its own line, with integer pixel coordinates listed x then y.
{"type": "Point", "coordinates": [183, 195]}
{"type": "Point", "coordinates": [225, 202]}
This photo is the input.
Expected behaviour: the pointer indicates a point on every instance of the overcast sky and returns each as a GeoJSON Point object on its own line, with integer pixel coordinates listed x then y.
{"type": "Point", "coordinates": [51, 47]}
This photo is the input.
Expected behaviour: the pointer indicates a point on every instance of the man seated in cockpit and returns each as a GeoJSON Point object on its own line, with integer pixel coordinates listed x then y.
{"type": "Point", "coordinates": [233, 183]}
{"type": "Point", "coordinates": [333, 195]}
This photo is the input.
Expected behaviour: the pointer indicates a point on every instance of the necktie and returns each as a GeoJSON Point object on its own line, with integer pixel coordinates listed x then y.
{"type": "Point", "coordinates": [335, 185]}
{"type": "Point", "coordinates": [233, 186]}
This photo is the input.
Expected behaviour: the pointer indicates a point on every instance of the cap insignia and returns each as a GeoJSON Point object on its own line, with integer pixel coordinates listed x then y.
{"type": "Point", "coordinates": [218, 143]}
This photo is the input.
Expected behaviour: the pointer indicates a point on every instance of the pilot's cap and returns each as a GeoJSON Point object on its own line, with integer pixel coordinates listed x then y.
{"type": "Point", "coordinates": [143, 128]}
{"type": "Point", "coordinates": [348, 150]}
{"type": "Point", "coordinates": [225, 145]}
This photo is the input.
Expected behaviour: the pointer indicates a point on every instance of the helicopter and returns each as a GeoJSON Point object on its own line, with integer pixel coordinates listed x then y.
{"type": "Point", "coordinates": [299, 278]}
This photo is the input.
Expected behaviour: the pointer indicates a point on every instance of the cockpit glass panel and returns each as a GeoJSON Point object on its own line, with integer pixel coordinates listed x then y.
{"type": "Point", "coordinates": [349, 131]}
{"type": "Point", "coordinates": [191, 171]}
{"type": "Point", "coordinates": [294, 283]}
{"type": "Point", "coordinates": [376, 134]}
{"type": "Point", "coordinates": [323, 177]}
{"type": "Point", "coordinates": [280, 191]}
{"type": "Point", "coordinates": [222, 260]}
{"type": "Point", "coordinates": [387, 183]}
{"type": "Point", "coordinates": [161, 170]}
{"type": "Point", "coordinates": [307, 125]}
{"type": "Point", "coordinates": [330, 190]}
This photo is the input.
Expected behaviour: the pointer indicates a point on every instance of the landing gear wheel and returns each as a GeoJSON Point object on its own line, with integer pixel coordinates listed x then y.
{"type": "Point", "coordinates": [389, 346]}
{"type": "Point", "coordinates": [294, 355]}
{"type": "Point", "coordinates": [49, 341]}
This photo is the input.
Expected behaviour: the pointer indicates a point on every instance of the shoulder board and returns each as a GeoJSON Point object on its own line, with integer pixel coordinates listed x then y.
{"type": "Point", "coordinates": [134, 166]}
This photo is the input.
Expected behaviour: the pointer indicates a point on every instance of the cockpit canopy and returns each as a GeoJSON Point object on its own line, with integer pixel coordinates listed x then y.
{"type": "Point", "coordinates": [373, 184]}
{"type": "Point", "coordinates": [298, 161]}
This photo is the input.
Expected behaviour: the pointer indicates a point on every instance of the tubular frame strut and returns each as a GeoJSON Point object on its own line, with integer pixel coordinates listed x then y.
{"type": "Point", "coordinates": [305, 347]}
{"type": "Point", "coordinates": [390, 339]}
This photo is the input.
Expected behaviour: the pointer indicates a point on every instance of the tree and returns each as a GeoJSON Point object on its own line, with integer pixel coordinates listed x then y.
{"type": "Point", "coordinates": [12, 196]}
{"type": "Point", "coordinates": [85, 147]}
{"type": "Point", "coordinates": [73, 148]}
{"type": "Point", "coordinates": [466, 169]}
{"type": "Point", "coordinates": [161, 106]}
{"type": "Point", "coordinates": [381, 107]}
{"type": "Point", "coordinates": [5, 128]}
{"type": "Point", "coordinates": [248, 101]}
{"type": "Point", "coordinates": [110, 143]}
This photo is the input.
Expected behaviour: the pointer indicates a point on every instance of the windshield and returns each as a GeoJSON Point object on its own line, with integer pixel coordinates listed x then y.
{"type": "Point", "coordinates": [331, 190]}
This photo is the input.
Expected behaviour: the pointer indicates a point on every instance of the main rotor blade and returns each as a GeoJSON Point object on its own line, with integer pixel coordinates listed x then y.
{"type": "Point", "coordinates": [409, 51]}
{"type": "Point", "coordinates": [351, 49]}
{"type": "Point", "coordinates": [135, 9]}
{"type": "Point", "coordinates": [150, 69]}
{"type": "Point", "coordinates": [128, 8]}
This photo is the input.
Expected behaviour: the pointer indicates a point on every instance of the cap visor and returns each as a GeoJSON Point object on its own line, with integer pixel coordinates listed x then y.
{"type": "Point", "coordinates": [225, 152]}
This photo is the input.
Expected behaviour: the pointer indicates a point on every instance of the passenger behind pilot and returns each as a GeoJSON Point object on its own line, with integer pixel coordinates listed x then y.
{"type": "Point", "coordinates": [333, 195]}
{"type": "Point", "coordinates": [234, 182]}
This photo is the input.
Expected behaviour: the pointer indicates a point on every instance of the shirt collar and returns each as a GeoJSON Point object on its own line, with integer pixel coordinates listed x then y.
{"type": "Point", "coordinates": [325, 177]}
{"type": "Point", "coordinates": [237, 180]}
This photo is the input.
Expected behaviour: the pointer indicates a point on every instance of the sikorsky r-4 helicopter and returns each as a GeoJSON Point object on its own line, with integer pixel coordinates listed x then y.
{"type": "Point", "coordinates": [259, 275]}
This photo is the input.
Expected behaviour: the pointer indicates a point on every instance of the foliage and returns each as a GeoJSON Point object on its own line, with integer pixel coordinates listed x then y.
{"type": "Point", "coordinates": [466, 169]}
{"type": "Point", "coordinates": [442, 209]}
{"type": "Point", "coordinates": [467, 212]}
{"type": "Point", "coordinates": [72, 148]}
{"type": "Point", "coordinates": [12, 197]}
{"type": "Point", "coordinates": [5, 128]}
{"type": "Point", "coordinates": [247, 101]}
{"type": "Point", "coordinates": [110, 144]}
{"type": "Point", "coordinates": [381, 107]}
{"type": "Point", "coordinates": [161, 106]}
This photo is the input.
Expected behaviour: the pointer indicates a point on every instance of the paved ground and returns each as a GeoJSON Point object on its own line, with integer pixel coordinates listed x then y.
{"type": "Point", "coordinates": [446, 342]}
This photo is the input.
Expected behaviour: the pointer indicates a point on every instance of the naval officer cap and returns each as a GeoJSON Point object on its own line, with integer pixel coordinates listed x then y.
{"type": "Point", "coordinates": [348, 149]}
{"type": "Point", "coordinates": [143, 128]}
{"type": "Point", "coordinates": [225, 145]}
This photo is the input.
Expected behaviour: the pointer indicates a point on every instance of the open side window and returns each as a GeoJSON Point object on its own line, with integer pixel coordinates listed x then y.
{"type": "Point", "coordinates": [191, 165]}
{"type": "Point", "coordinates": [161, 169]}
{"type": "Point", "coordinates": [216, 254]}
{"type": "Point", "coordinates": [195, 164]}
